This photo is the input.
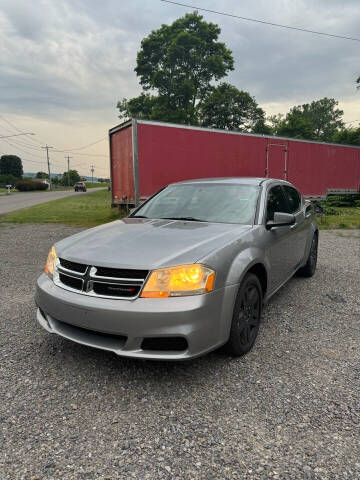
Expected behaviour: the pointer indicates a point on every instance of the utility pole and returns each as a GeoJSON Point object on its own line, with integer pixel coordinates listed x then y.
{"type": "Point", "coordinates": [92, 173]}
{"type": "Point", "coordinates": [48, 162]}
{"type": "Point", "coordinates": [68, 163]}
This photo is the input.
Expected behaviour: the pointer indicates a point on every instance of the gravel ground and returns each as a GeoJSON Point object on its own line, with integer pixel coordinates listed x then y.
{"type": "Point", "coordinates": [288, 410]}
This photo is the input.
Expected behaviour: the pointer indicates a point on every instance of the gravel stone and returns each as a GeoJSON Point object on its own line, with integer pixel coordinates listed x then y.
{"type": "Point", "coordinates": [289, 409]}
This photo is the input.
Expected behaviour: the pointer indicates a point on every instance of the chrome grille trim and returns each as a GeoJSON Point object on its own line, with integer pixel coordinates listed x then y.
{"type": "Point", "coordinates": [89, 277]}
{"type": "Point", "coordinates": [98, 278]}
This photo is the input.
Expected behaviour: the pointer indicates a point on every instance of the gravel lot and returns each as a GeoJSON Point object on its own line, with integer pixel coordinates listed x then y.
{"type": "Point", "coordinates": [288, 410]}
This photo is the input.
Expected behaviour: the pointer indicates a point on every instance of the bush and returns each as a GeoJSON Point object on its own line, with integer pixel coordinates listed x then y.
{"type": "Point", "coordinates": [7, 180]}
{"type": "Point", "coordinates": [342, 200]}
{"type": "Point", "coordinates": [28, 185]}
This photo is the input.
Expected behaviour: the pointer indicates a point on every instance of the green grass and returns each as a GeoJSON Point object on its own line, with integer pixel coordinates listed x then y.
{"type": "Point", "coordinates": [96, 184]}
{"type": "Point", "coordinates": [347, 218]}
{"type": "Point", "coordinates": [83, 210]}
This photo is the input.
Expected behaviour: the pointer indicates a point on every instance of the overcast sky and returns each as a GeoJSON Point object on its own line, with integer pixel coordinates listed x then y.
{"type": "Point", "coordinates": [65, 63]}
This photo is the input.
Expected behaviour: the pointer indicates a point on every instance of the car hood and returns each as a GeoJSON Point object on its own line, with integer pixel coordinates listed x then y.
{"type": "Point", "coordinates": [147, 243]}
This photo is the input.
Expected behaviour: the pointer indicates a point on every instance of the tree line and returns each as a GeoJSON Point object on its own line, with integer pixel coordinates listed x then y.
{"type": "Point", "coordinates": [180, 67]}
{"type": "Point", "coordinates": [11, 173]}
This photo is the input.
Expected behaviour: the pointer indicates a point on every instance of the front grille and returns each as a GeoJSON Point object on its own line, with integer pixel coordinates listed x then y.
{"type": "Point", "coordinates": [99, 281]}
{"type": "Point", "coordinates": [113, 289]}
{"type": "Point", "coordinates": [72, 282]}
{"type": "Point", "coordinates": [75, 267]}
{"type": "Point", "coordinates": [110, 336]}
{"type": "Point", "coordinates": [121, 273]}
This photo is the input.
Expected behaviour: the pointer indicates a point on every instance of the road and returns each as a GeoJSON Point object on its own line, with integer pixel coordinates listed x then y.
{"type": "Point", "coordinates": [289, 410]}
{"type": "Point", "coordinates": [17, 201]}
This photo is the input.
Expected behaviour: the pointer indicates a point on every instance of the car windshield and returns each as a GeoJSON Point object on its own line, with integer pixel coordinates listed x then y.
{"type": "Point", "coordinates": [206, 202]}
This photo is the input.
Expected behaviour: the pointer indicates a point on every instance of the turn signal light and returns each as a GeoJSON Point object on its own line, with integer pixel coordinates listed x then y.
{"type": "Point", "coordinates": [50, 263]}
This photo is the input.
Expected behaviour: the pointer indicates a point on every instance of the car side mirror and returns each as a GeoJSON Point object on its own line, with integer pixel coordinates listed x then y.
{"type": "Point", "coordinates": [280, 220]}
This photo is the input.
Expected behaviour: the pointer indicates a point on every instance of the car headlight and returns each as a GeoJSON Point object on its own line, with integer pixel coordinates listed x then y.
{"type": "Point", "coordinates": [50, 263]}
{"type": "Point", "coordinates": [179, 281]}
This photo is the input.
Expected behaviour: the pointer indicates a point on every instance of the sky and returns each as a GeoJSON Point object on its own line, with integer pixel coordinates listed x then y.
{"type": "Point", "coordinates": [64, 64]}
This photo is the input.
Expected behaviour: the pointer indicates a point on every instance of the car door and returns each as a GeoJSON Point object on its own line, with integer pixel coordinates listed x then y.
{"type": "Point", "coordinates": [279, 248]}
{"type": "Point", "coordinates": [300, 228]}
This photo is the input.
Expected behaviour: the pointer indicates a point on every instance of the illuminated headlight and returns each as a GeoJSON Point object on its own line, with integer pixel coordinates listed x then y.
{"type": "Point", "coordinates": [179, 281]}
{"type": "Point", "coordinates": [50, 263]}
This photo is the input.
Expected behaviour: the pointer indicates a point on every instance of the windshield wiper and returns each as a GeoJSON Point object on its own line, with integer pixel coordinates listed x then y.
{"type": "Point", "coordinates": [139, 216]}
{"type": "Point", "coordinates": [191, 219]}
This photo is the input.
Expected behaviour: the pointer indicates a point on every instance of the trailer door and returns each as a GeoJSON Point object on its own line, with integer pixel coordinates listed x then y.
{"type": "Point", "coordinates": [276, 160]}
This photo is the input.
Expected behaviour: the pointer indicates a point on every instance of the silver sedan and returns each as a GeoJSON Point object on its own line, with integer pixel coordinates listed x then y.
{"type": "Point", "coordinates": [187, 272]}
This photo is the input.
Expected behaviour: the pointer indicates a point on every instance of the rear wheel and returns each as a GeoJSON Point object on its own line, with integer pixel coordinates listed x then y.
{"type": "Point", "coordinates": [309, 268]}
{"type": "Point", "coordinates": [246, 316]}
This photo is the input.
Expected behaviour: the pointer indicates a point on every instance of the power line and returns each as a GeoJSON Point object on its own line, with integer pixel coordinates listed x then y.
{"type": "Point", "coordinates": [263, 21]}
{"type": "Point", "coordinates": [85, 146]}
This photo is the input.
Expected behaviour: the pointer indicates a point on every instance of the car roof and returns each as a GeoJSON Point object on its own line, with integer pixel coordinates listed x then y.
{"type": "Point", "coordinates": [232, 180]}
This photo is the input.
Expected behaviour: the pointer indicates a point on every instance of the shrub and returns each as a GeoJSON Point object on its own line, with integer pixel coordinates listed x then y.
{"type": "Point", "coordinates": [7, 180]}
{"type": "Point", "coordinates": [342, 200]}
{"type": "Point", "coordinates": [28, 185]}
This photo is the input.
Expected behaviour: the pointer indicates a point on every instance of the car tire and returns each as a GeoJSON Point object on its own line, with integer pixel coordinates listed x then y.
{"type": "Point", "coordinates": [309, 268]}
{"type": "Point", "coordinates": [246, 317]}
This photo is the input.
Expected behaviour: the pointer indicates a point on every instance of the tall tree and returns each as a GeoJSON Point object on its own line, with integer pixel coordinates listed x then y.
{"type": "Point", "coordinates": [178, 62]}
{"type": "Point", "coordinates": [318, 120]}
{"type": "Point", "coordinates": [11, 165]}
{"type": "Point", "coordinates": [229, 108]}
{"type": "Point", "coordinates": [73, 175]}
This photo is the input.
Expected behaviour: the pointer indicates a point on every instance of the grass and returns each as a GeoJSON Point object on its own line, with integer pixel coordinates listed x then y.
{"type": "Point", "coordinates": [85, 211]}
{"type": "Point", "coordinates": [347, 218]}
{"type": "Point", "coordinates": [96, 184]}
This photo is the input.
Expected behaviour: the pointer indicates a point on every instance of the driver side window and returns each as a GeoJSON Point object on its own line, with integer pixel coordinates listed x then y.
{"type": "Point", "coordinates": [276, 202]}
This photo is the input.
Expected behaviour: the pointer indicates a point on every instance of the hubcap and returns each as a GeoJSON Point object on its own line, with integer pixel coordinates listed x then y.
{"type": "Point", "coordinates": [249, 314]}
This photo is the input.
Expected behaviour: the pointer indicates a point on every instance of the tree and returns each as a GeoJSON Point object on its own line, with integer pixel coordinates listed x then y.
{"type": "Point", "coordinates": [74, 177]}
{"type": "Point", "coordinates": [318, 120]}
{"type": "Point", "coordinates": [42, 175]}
{"type": "Point", "coordinates": [348, 136]}
{"type": "Point", "coordinates": [179, 62]}
{"type": "Point", "coordinates": [296, 126]}
{"type": "Point", "coordinates": [11, 165]}
{"type": "Point", "coordinates": [229, 108]}
{"type": "Point", "coordinates": [358, 82]}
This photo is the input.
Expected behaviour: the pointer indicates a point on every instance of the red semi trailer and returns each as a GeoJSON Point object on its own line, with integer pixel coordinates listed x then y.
{"type": "Point", "coordinates": [146, 156]}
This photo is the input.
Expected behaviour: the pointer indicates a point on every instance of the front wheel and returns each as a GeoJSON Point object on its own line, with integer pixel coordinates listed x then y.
{"type": "Point", "coordinates": [246, 317]}
{"type": "Point", "coordinates": [309, 268]}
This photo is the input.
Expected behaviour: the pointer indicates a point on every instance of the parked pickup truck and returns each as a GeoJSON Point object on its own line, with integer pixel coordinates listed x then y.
{"type": "Point", "coordinates": [187, 272]}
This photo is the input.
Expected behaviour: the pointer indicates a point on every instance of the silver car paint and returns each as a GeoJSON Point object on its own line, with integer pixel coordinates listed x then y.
{"type": "Point", "coordinates": [231, 250]}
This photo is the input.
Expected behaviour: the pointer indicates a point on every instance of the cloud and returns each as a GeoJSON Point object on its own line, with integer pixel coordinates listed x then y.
{"type": "Point", "coordinates": [68, 62]}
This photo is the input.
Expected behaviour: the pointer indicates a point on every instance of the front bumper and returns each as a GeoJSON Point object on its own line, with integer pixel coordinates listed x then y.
{"type": "Point", "coordinates": [120, 326]}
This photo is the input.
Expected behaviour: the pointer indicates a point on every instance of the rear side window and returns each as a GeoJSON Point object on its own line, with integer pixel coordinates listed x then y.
{"type": "Point", "coordinates": [276, 203]}
{"type": "Point", "coordinates": [293, 198]}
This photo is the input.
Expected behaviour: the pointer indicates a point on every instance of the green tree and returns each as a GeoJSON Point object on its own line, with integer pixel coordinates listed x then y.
{"type": "Point", "coordinates": [73, 175]}
{"type": "Point", "coordinates": [348, 136]}
{"type": "Point", "coordinates": [296, 126]}
{"type": "Point", "coordinates": [42, 175]}
{"type": "Point", "coordinates": [358, 82]}
{"type": "Point", "coordinates": [229, 108]}
{"type": "Point", "coordinates": [11, 165]}
{"type": "Point", "coordinates": [178, 62]}
{"type": "Point", "coordinates": [318, 120]}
